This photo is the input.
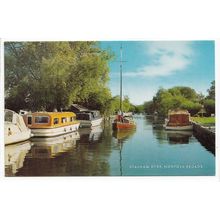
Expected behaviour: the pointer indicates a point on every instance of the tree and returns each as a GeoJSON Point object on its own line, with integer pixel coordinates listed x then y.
{"type": "Point", "coordinates": [174, 98]}
{"type": "Point", "coordinates": [211, 91]}
{"type": "Point", "coordinates": [209, 105]}
{"type": "Point", "coordinates": [149, 107]}
{"type": "Point", "coordinates": [139, 109]}
{"type": "Point", "coordinates": [48, 75]}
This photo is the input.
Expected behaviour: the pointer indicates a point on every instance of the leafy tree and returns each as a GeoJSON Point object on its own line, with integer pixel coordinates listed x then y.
{"type": "Point", "coordinates": [149, 107]}
{"type": "Point", "coordinates": [209, 105]}
{"type": "Point", "coordinates": [48, 75]}
{"type": "Point", "coordinates": [186, 92]}
{"type": "Point", "coordinates": [191, 106]}
{"type": "Point", "coordinates": [174, 98]}
{"type": "Point", "coordinates": [139, 109]}
{"type": "Point", "coordinates": [211, 91]}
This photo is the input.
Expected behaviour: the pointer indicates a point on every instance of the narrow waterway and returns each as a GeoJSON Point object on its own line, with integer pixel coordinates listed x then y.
{"type": "Point", "coordinates": [147, 151]}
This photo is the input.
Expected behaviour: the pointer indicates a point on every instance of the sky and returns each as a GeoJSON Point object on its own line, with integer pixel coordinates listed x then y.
{"type": "Point", "coordinates": [153, 64]}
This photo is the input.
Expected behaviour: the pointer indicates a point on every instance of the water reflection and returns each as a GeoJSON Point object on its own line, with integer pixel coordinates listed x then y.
{"type": "Point", "coordinates": [178, 137]}
{"type": "Point", "coordinates": [15, 156]}
{"type": "Point", "coordinates": [94, 149]}
{"type": "Point", "coordinates": [122, 136]}
{"type": "Point", "coordinates": [173, 137]}
{"type": "Point", "coordinates": [148, 150]}
{"type": "Point", "coordinates": [53, 146]}
{"type": "Point", "coordinates": [45, 155]}
{"type": "Point", "coordinates": [90, 134]}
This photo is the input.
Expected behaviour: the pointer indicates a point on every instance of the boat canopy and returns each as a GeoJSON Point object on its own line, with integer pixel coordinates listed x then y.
{"type": "Point", "coordinates": [49, 119]}
{"type": "Point", "coordinates": [178, 118]}
{"type": "Point", "coordinates": [78, 108]}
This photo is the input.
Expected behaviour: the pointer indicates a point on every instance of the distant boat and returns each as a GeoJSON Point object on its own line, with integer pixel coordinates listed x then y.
{"type": "Point", "coordinates": [178, 120]}
{"type": "Point", "coordinates": [123, 120]}
{"type": "Point", "coordinates": [47, 124]}
{"type": "Point", "coordinates": [88, 118]}
{"type": "Point", "coordinates": [15, 128]}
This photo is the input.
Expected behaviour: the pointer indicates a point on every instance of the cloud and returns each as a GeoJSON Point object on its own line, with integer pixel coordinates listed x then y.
{"type": "Point", "coordinates": [166, 58]}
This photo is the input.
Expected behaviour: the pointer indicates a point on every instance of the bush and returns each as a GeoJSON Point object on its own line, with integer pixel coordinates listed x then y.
{"type": "Point", "coordinates": [209, 105]}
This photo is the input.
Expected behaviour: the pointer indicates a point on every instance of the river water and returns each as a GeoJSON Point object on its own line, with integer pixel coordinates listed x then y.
{"type": "Point", "coordinates": [147, 151]}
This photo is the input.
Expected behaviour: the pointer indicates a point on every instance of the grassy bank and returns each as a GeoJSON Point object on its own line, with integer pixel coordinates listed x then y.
{"type": "Point", "coordinates": [204, 120]}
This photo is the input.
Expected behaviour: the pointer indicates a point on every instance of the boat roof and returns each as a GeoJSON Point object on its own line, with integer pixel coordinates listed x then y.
{"type": "Point", "coordinates": [178, 112]}
{"type": "Point", "coordinates": [70, 114]}
{"type": "Point", "coordinates": [79, 108]}
{"type": "Point", "coordinates": [8, 110]}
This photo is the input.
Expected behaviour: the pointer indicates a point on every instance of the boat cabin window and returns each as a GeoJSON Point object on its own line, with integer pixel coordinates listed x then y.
{"type": "Point", "coordinates": [84, 116]}
{"type": "Point", "coordinates": [72, 118]}
{"type": "Point", "coordinates": [56, 121]}
{"type": "Point", "coordinates": [41, 119]}
{"type": "Point", "coordinates": [29, 120]}
{"type": "Point", "coordinates": [64, 119]}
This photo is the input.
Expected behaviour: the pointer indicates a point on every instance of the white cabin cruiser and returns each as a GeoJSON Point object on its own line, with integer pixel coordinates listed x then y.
{"type": "Point", "coordinates": [89, 118]}
{"type": "Point", "coordinates": [15, 128]}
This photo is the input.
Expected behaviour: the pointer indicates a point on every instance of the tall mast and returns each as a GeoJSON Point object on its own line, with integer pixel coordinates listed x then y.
{"type": "Point", "coordinates": [121, 79]}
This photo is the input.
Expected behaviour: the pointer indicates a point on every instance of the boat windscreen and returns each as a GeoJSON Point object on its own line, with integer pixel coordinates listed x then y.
{"type": "Point", "coordinates": [83, 117]}
{"type": "Point", "coordinates": [9, 116]}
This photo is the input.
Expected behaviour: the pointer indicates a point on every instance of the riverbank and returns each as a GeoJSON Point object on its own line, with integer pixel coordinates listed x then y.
{"type": "Point", "coordinates": [205, 121]}
{"type": "Point", "coordinates": [206, 135]}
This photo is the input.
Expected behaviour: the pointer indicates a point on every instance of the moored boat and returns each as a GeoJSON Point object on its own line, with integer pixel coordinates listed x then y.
{"type": "Point", "coordinates": [178, 120]}
{"type": "Point", "coordinates": [15, 128]}
{"type": "Point", "coordinates": [123, 120]}
{"type": "Point", "coordinates": [89, 118]}
{"type": "Point", "coordinates": [46, 124]}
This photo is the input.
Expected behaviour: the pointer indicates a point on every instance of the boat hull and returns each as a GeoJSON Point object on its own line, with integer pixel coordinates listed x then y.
{"type": "Point", "coordinates": [123, 126]}
{"type": "Point", "coordinates": [50, 132]}
{"type": "Point", "coordinates": [90, 123]}
{"type": "Point", "coordinates": [180, 128]}
{"type": "Point", "coordinates": [16, 134]}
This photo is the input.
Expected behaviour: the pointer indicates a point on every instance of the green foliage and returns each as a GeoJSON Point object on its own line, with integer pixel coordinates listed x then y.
{"type": "Point", "coordinates": [138, 109]}
{"type": "Point", "coordinates": [48, 75]}
{"type": "Point", "coordinates": [211, 91]}
{"type": "Point", "coordinates": [149, 107]}
{"type": "Point", "coordinates": [175, 98]}
{"type": "Point", "coordinates": [209, 105]}
{"type": "Point", "coordinates": [112, 105]}
{"type": "Point", "coordinates": [185, 92]}
{"type": "Point", "coordinates": [192, 107]}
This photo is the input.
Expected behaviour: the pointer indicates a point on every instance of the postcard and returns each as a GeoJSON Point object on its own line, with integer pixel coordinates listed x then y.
{"type": "Point", "coordinates": [109, 108]}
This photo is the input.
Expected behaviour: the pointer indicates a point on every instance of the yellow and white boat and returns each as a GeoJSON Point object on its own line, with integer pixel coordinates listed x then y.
{"type": "Point", "coordinates": [47, 124]}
